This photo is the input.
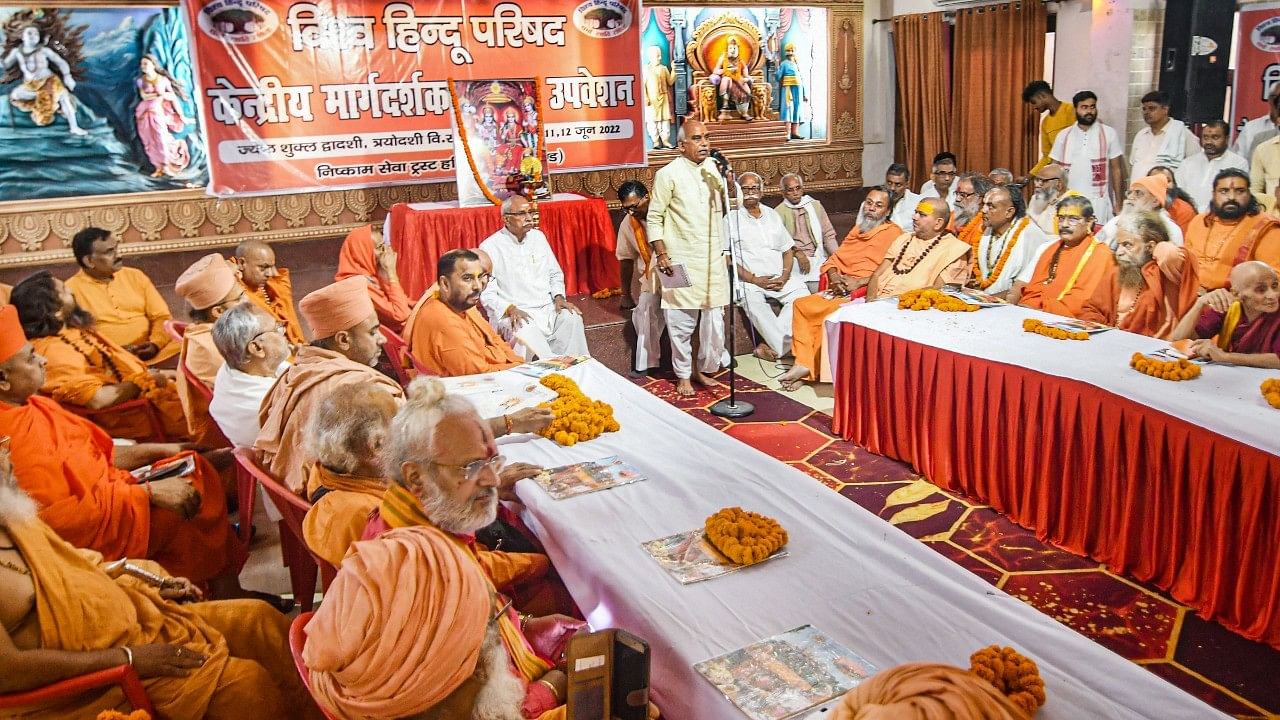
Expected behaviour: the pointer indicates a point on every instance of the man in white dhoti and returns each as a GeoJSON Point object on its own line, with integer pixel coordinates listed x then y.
{"type": "Point", "coordinates": [1009, 240]}
{"type": "Point", "coordinates": [1164, 141]}
{"type": "Point", "coordinates": [1093, 156]}
{"type": "Point", "coordinates": [641, 292]}
{"type": "Point", "coordinates": [807, 221]}
{"type": "Point", "coordinates": [685, 224]}
{"type": "Point", "coordinates": [525, 299]}
{"type": "Point", "coordinates": [766, 268]}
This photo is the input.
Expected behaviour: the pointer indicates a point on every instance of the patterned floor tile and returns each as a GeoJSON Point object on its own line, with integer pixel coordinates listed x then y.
{"type": "Point", "coordinates": [1238, 664]}
{"type": "Point", "coordinates": [788, 442]}
{"type": "Point", "coordinates": [850, 463]}
{"type": "Point", "coordinates": [1211, 694]}
{"type": "Point", "coordinates": [967, 561]}
{"type": "Point", "coordinates": [993, 537]}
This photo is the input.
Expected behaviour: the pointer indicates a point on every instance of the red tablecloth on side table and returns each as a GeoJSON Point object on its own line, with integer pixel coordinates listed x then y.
{"type": "Point", "coordinates": [1149, 494]}
{"type": "Point", "coordinates": [579, 230]}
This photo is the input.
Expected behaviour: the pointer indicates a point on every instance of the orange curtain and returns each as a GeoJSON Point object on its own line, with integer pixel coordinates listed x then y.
{"type": "Point", "coordinates": [921, 54]}
{"type": "Point", "coordinates": [998, 50]}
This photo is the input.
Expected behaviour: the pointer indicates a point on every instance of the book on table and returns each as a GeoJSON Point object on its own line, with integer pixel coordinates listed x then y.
{"type": "Point", "coordinates": [587, 477]}
{"type": "Point", "coordinates": [689, 557]}
{"type": "Point", "coordinates": [786, 676]}
{"type": "Point", "coordinates": [542, 368]}
{"type": "Point", "coordinates": [492, 399]}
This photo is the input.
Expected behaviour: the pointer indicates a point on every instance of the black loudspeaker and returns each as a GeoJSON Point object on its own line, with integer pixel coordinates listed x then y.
{"type": "Point", "coordinates": [1194, 58]}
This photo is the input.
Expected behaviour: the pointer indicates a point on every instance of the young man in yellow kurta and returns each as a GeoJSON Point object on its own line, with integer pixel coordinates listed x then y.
{"type": "Point", "coordinates": [125, 303]}
{"type": "Point", "coordinates": [1056, 117]}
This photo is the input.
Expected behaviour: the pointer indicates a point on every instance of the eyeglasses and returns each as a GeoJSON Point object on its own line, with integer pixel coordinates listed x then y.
{"type": "Point", "coordinates": [631, 209]}
{"type": "Point", "coordinates": [750, 188]}
{"type": "Point", "coordinates": [965, 195]}
{"type": "Point", "coordinates": [522, 213]}
{"type": "Point", "coordinates": [1041, 181]}
{"type": "Point", "coordinates": [472, 470]}
{"type": "Point", "coordinates": [278, 329]}
{"type": "Point", "coordinates": [945, 173]}
{"type": "Point", "coordinates": [1071, 219]}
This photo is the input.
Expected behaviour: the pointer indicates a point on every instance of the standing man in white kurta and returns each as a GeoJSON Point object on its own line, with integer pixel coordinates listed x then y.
{"type": "Point", "coordinates": [685, 225]}
{"type": "Point", "coordinates": [766, 267]}
{"type": "Point", "coordinates": [1093, 156]}
{"type": "Point", "coordinates": [525, 299]}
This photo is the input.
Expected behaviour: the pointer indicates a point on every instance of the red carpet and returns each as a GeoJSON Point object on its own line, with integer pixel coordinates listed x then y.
{"type": "Point", "coordinates": [1233, 674]}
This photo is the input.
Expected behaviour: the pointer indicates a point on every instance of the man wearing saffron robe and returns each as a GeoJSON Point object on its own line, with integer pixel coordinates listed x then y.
{"type": "Point", "coordinates": [210, 287]}
{"type": "Point", "coordinates": [927, 257]}
{"type": "Point", "coordinates": [847, 271]}
{"type": "Point", "coordinates": [365, 253]}
{"type": "Point", "coordinates": [1073, 276]}
{"type": "Point", "coordinates": [128, 308]}
{"type": "Point", "coordinates": [83, 488]}
{"type": "Point", "coordinates": [1232, 229]}
{"type": "Point", "coordinates": [447, 334]}
{"type": "Point", "coordinates": [66, 611]}
{"type": "Point", "coordinates": [90, 371]}
{"type": "Point", "coordinates": [1156, 280]}
{"type": "Point", "coordinates": [268, 286]}
{"type": "Point", "coordinates": [1240, 325]}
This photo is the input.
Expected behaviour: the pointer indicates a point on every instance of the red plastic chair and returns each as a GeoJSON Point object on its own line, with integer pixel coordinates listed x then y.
{"type": "Point", "coordinates": [297, 641]}
{"type": "Point", "coordinates": [303, 565]}
{"type": "Point", "coordinates": [405, 365]}
{"type": "Point", "coordinates": [176, 329]}
{"type": "Point", "coordinates": [122, 675]}
{"type": "Point", "coordinates": [144, 405]}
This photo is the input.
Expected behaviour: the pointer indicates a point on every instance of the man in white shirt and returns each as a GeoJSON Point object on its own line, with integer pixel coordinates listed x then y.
{"type": "Point", "coordinates": [902, 201]}
{"type": "Point", "coordinates": [1009, 241]}
{"type": "Point", "coordinates": [766, 260]}
{"type": "Point", "coordinates": [1197, 172]}
{"type": "Point", "coordinates": [1260, 129]}
{"type": "Point", "coordinates": [1164, 141]}
{"type": "Point", "coordinates": [526, 297]}
{"type": "Point", "coordinates": [943, 181]}
{"type": "Point", "coordinates": [256, 352]}
{"type": "Point", "coordinates": [807, 221]}
{"type": "Point", "coordinates": [1093, 156]}
{"type": "Point", "coordinates": [641, 291]}
{"type": "Point", "coordinates": [1146, 195]}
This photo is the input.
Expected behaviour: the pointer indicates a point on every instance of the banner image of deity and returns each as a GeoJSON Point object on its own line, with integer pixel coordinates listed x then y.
{"type": "Point", "coordinates": [502, 135]}
{"type": "Point", "coordinates": [763, 70]}
{"type": "Point", "coordinates": [97, 101]}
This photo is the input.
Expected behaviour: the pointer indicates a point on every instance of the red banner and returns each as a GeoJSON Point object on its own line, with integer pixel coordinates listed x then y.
{"type": "Point", "coordinates": [1257, 63]}
{"type": "Point", "coordinates": [353, 93]}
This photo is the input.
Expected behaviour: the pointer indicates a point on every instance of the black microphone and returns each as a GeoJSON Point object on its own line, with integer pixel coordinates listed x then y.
{"type": "Point", "coordinates": [722, 162]}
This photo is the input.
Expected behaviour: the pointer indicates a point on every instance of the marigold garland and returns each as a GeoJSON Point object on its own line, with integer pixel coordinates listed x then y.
{"type": "Point", "coordinates": [606, 293]}
{"type": "Point", "coordinates": [971, 234]}
{"type": "Point", "coordinates": [117, 715]}
{"type": "Point", "coordinates": [578, 418]}
{"type": "Point", "coordinates": [1013, 674]}
{"type": "Point", "coordinates": [985, 282]}
{"type": "Point", "coordinates": [1032, 325]}
{"type": "Point", "coordinates": [930, 298]}
{"type": "Point", "coordinates": [1271, 391]}
{"type": "Point", "coordinates": [1180, 369]}
{"type": "Point", "coordinates": [745, 537]}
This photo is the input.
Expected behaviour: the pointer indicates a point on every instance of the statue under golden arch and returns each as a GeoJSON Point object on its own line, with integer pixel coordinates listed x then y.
{"type": "Point", "coordinates": [727, 56]}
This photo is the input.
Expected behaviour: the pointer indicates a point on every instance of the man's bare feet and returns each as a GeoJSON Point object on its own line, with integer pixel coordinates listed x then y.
{"type": "Point", "coordinates": [684, 388]}
{"type": "Point", "coordinates": [793, 378]}
{"type": "Point", "coordinates": [704, 380]}
{"type": "Point", "coordinates": [766, 353]}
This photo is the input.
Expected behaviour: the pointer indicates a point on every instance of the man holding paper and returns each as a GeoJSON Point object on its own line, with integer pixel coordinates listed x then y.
{"type": "Point", "coordinates": [684, 228]}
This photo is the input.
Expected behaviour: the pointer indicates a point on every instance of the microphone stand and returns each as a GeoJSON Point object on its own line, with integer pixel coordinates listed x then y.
{"type": "Point", "coordinates": [731, 407]}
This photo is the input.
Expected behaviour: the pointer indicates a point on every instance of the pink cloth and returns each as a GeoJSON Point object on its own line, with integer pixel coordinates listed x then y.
{"type": "Point", "coordinates": [158, 119]}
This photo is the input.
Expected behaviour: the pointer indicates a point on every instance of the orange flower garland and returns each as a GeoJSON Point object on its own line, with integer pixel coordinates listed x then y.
{"type": "Point", "coordinates": [985, 282]}
{"type": "Point", "coordinates": [117, 715]}
{"type": "Point", "coordinates": [1032, 325]}
{"type": "Point", "coordinates": [745, 537]}
{"type": "Point", "coordinates": [931, 298]}
{"type": "Point", "coordinates": [972, 233]}
{"type": "Point", "coordinates": [466, 148]}
{"type": "Point", "coordinates": [606, 293]}
{"type": "Point", "coordinates": [578, 418]}
{"type": "Point", "coordinates": [1271, 391]}
{"type": "Point", "coordinates": [1181, 369]}
{"type": "Point", "coordinates": [1013, 674]}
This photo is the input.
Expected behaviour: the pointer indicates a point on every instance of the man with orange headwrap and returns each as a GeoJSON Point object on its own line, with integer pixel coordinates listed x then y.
{"type": "Point", "coordinates": [87, 369]}
{"type": "Point", "coordinates": [209, 286]}
{"type": "Point", "coordinates": [268, 286]}
{"type": "Point", "coordinates": [85, 491]}
{"type": "Point", "coordinates": [1075, 276]}
{"type": "Point", "coordinates": [365, 253]}
{"type": "Point", "coordinates": [66, 612]}
{"type": "Point", "coordinates": [345, 351]}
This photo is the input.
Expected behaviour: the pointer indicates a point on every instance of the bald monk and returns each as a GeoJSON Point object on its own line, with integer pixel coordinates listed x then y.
{"type": "Point", "coordinates": [126, 304]}
{"type": "Point", "coordinates": [1240, 325]}
{"type": "Point", "coordinates": [267, 286]}
{"type": "Point", "coordinates": [447, 334]}
{"type": "Point", "coordinates": [66, 612]}
{"type": "Point", "coordinates": [89, 370]}
{"type": "Point", "coordinates": [927, 257]}
{"type": "Point", "coordinates": [1156, 282]}
{"type": "Point", "coordinates": [346, 348]}
{"type": "Point", "coordinates": [848, 271]}
{"type": "Point", "coordinates": [345, 480]}
{"type": "Point", "coordinates": [365, 253]}
{"type": "Point", "coordinates": [1074, 276]}
{"type": "Point", "coordinates": [84, 490]}
{"type": "Point", "coordinates": [210, 288]}
{"type": "Point", "coordinates": [1232, 229]}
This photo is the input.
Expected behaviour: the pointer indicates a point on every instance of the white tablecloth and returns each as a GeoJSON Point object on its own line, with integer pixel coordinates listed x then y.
{"type": "Point", "coordinates": [1225, 399]}
{"type": "Point", "coordinates": [878, 591]}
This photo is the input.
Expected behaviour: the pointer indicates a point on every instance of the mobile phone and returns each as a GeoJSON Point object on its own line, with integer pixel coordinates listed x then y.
{"type": "Point", "coordinates": [608, 676]}
{"type": "Point", "coordinates": [178, 467]}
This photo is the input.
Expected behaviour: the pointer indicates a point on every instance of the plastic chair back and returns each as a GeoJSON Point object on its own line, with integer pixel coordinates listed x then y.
{"type": "Point", "coordinates": [297, 641]}
{"type": "Point", "coordinates": [122, 675]}
{"type": "Point", "coordinates": [176, 329]}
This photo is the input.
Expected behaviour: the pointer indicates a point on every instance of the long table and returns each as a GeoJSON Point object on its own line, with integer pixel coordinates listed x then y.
{"type": "Point", "coordinates": [577, 227]}
{"type": "Point", "coordinates": [1177, 484]}
{"type": "Point", "coordinates": [873, 588]}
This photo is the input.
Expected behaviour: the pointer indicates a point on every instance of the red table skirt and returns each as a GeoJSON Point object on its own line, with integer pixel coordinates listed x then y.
{"type": "Point", "coordinates": [580, 233]}
{"type": "Point", "coordinates": [1152, 496]}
